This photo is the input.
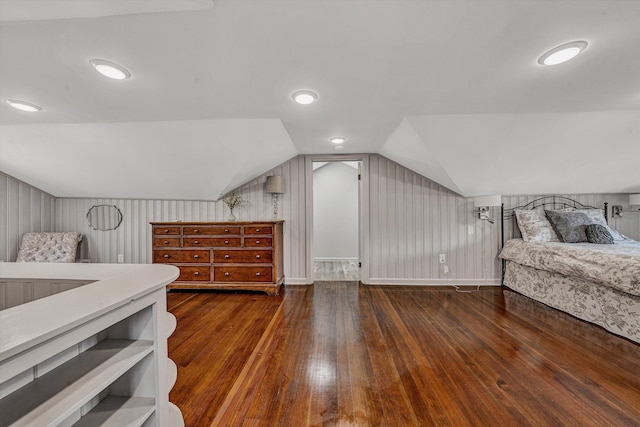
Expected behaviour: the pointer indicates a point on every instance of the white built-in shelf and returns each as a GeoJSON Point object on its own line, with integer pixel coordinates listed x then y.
{"type": "Point", "coordinates": [172, 374]}
{"type": "Point", "coordinates": [55, 396]}
{"type": "Point", "coordinates": [119, 412]}
{"type": "Point", "coordinates": [172, 322]}
{"type": "Point", "coordinates": [94, 354]}
{"type": "Point", "coordinates": [175, 416]}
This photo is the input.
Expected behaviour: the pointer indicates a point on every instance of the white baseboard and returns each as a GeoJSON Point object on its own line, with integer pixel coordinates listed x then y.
{"type": "Point", "coordinates": [432, 282]}
{"type": "Point", "coordinates": [334, 259]}
{"type": "Point", "coordinates": [408, 282]}
{"type": "Point", "coordinates": [297, 281]}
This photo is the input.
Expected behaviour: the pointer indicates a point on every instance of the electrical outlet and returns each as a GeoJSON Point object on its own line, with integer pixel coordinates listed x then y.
{"type": "Point", "coordinates": [443, 258]}
{"type": "Point", "coordinates": [120, 258]}
{"type": "Point", "coordinates": [445, 269]}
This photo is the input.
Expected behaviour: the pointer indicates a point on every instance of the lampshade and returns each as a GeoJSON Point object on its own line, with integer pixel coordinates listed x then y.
{"type": "Point", "coordinates": [634, 199]}
{"type": "Point", "coordinates": [482, 201]}
{"type": "Point", "coordinates": [274, 184]}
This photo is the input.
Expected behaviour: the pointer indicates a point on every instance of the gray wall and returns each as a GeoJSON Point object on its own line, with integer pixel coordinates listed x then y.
{"type": "Point", "coordinates": [335, 212]}
{"type": "Point", "coordinates": [133, 237]}
{"type": "Point", "coordinates": [23, 208]}
{"type": "Point", "coordinates": [411, 220]}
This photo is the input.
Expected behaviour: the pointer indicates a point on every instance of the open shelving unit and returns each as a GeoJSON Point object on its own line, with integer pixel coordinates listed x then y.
{"type": "Point", "coordinates": [95, 355]}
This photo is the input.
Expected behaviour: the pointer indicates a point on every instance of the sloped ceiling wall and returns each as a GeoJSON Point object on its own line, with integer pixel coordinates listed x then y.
{"type": "Point", "coordinates": [451, 89]}
{"type": "Point", "coordinates": [191, 159]}
{"type": "Point", "coordinates": [476, 154]}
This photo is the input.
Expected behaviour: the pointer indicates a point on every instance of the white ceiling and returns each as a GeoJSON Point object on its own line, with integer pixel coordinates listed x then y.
{"type": "Point", "coordinates": [448, 88]}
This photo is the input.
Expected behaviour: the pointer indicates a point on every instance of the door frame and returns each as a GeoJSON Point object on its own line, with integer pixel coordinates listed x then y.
{"type": "Point", "coordinates": [363, 209]}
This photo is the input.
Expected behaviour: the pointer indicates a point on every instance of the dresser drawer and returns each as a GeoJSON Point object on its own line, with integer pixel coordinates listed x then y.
{"type": "Point", "coordinates": [168, 256]}
{"type": "Point", "coordinates": [253, 242]}
{"type": "Point", "coordinates": [212, 230]}
{"type": "Point", "coordinates": [159, 229]}
{"type": "Point", "coordinates": [232, 242]}
{"type": "Point", "coordinates": [264, 256]}
{"type": "Point", "coordinates": [258, 229]}
{"type": "Point", "coordinates": [173, 242]}
{"type": "Point", "coordinates": [191, 274]}
{"type": "Point", "coordinates": [242, 274]}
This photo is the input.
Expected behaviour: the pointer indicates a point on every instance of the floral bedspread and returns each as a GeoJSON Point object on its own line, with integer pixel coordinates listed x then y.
{"type": "Point", "coordinates": [616, 265]}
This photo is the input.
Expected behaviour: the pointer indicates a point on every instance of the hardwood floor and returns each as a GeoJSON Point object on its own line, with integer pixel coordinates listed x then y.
{"type": "Point", "coordinates": [343, 354]}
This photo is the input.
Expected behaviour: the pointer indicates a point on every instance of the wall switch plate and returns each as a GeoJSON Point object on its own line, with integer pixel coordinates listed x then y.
{"type": "Point", "coordinates": [443, 258]}
{"type": "Point", "coordinates": [120, 258]}
{"type": "Point", "coordinates": [446, 269]}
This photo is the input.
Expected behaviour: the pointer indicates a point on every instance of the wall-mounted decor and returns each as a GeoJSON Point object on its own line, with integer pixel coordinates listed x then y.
{"type": "Point", "coordinates": [104, 217]}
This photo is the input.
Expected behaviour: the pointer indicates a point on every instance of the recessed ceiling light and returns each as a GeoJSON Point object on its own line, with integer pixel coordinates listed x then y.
{"type": "Point", "coordinates": [304, 96]}
{"type": "Point", "coordinates": [562, 53]}
{"type": "Point", "coordinates": [24, 106]}
{"type": "Point", "coordinates": [339, 147]}
{"type": "Point", "coordinates": [110, 69]}
{"type": "Point", "coordinates": [338, 139]}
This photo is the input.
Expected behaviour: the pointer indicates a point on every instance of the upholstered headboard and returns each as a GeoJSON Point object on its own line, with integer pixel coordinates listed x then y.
{"type": "Point", "coordinates": [49, 247]}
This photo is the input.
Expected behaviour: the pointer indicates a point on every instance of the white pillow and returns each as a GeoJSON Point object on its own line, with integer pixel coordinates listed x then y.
{"type": "Point", "coordinates": [535, 227]}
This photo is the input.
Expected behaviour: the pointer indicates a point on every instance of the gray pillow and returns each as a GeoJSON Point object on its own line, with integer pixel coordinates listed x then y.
{"type": "Point", "coordinates": [570, 226]}
{"type": "Point", "coordinates": [597, 233]}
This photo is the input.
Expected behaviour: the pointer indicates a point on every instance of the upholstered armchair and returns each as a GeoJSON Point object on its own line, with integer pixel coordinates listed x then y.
{"type": "Point", "coordinates": [49, 247]}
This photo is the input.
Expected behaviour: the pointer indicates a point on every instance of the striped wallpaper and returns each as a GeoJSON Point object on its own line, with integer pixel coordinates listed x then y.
{"type": "Point", "coordinates": [23, 208]}
{"type": "Point", "coordinates": [410, 221]}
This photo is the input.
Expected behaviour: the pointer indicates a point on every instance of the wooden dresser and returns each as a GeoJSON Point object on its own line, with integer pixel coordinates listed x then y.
{"type": "Point", "coordinates": [222, 255]}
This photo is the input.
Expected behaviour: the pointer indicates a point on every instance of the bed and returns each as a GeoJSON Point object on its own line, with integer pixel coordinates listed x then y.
{"type": "Point", "coordinates": [596, 282]}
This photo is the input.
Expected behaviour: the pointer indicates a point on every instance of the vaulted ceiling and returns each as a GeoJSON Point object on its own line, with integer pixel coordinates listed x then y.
{"type": "Point", "coordinates": [450, 89]}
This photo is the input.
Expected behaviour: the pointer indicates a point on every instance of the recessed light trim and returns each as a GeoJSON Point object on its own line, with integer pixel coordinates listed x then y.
{"type": "Point", "coordinates": [110, 69]}
{"type": "Point", "coordinates": [304, 96]}
{"type": "Point", "coordinates": [562, 53]}
{"type": "Point", "coordinates": [337, 139]}
{"type": "Point", "coordinates": [23, 106]}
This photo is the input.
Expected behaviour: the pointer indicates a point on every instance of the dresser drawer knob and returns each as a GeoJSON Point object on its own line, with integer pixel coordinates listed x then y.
{"type": "Point", "coordinates": [196, 231]}
{"type": "Point", "coordinates": [227, 256]}
{"type": "Point", "coordinates": [196, 256]}
{"type": "Point", "coordinates": [226, 273]}
{"type": "Point", "coordinates": [257, 274]}
{"type": "Point", "coordinates": [166, 231]}
{"type": "Point", "coordinates": [226, 242]}
{"type": "Point", "coordinates": [166, 242]}
{"type": "Point", "coordinates": [226, 230]}
{"type": "Point", "coordinates": [196, 273]}
{"type": "Point", "coordinates": [258, 256]}
{"type": "Point", "coordinates": [257, 242]}
{"type": "Point", "coordinates": [195, 242]}
{"type": "Point", "coordinates": [257, 230]}
{"type": "Point", "coordinates": [165, 256]}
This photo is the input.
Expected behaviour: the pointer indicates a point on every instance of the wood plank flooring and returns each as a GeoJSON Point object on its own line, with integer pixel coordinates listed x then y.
{"type": "Point", "coordinates": [336, 354]}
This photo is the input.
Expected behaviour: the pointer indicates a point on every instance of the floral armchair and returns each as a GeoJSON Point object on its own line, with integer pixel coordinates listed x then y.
{"type": "Point", "coordinates": [49, 247]}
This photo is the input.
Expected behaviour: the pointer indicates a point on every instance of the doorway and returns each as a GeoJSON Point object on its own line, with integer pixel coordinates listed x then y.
{"type": "Point", "coordinates": [336, 220]}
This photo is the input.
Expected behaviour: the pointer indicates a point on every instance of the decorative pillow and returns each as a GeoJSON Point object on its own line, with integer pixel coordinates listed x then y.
{"type": "Point", "coordinates": [535, 227]}
{"type": "Point", "coordinates": [598, 218]}
{"type": "Point", "coordinates": [597, 233]}
{"type": "Point", "coordinates": [570, 226]}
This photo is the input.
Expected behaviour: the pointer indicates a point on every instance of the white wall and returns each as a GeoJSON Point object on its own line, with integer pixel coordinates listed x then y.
{"type": "Point", "coordinates": [335, 212]}
{"type": "Point", "coordinates": [133, 237]}
{"type": "Point", "coordinates": [411, 220]}
{"type": "Point", "coordinates": [23, 209]}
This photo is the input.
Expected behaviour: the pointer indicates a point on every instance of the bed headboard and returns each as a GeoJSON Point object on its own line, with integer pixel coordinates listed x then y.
{"type": "Point", "coordinates": [545, 202]}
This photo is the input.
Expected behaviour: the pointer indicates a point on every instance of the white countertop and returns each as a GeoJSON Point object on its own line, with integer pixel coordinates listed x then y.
{"type": "Point", "coordinates": [114, 285]}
